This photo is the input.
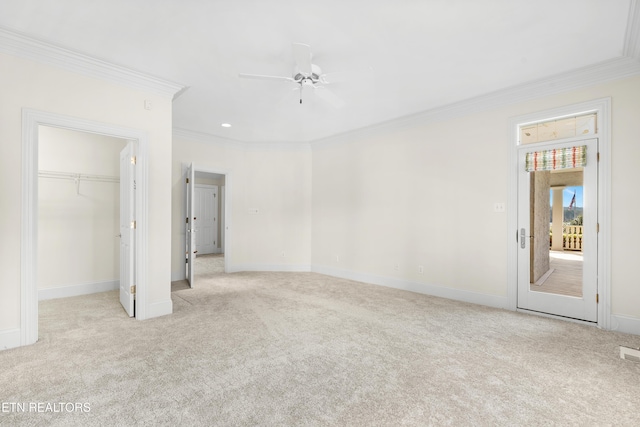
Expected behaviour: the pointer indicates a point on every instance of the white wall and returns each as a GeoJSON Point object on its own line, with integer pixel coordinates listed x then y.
{"type": "Point", "coordinates": [29, 84]}
{"type": "Point", "coordinates": [423, 194]}
{"type": "Point", "coordinates": [277, 182]}
{"type": "Point", "coordinates": [77, 231]}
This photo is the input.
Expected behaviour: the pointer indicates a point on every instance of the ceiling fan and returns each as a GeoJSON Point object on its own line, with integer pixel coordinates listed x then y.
{"type": "Point", "coordinates": [307, 75]}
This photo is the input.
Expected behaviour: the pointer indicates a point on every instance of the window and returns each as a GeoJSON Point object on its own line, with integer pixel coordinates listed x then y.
{"type": "Point", "coordinates": [565, 127]}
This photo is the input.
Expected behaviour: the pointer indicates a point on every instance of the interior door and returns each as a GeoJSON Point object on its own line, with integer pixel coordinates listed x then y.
{"type": "Point", "coordinates": [207, 222]}
{"type": "Point", "coordinates": [190, 252]}
{"type": "Point", "coordinates": [127, 228]}
{"type": "Point", "coordinates": [222, 218]}
{"type": "Point", "coordinates": [533, 241]}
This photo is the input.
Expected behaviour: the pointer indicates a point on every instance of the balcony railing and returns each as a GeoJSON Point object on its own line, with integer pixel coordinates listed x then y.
{"type": "Point", "coordinates": [571, 238]}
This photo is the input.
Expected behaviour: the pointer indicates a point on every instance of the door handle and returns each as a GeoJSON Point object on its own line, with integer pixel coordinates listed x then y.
{"type": "Point", "coordinates": [523, 235]}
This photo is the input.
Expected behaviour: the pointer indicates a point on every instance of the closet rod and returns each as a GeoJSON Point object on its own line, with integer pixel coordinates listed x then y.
{"type": "Point", "coordinates": [77, 177]}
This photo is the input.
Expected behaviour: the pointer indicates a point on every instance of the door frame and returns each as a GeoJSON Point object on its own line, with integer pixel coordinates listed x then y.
{"type": "Point", "coordinates": [31, 119]}
{"type": "Point", "coordinates": [127, 233]}
{"type": "Point", "coordinates": [603, 109]}
{"type": "Point", "coordinates": [226, 244]}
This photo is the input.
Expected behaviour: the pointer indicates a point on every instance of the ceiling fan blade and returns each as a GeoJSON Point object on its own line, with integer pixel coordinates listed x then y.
{"type": "Point", "coordinates": [334, 77]}
{"type": "Point", "coordinates": [263, 77]}
{"type": "Point", "coordinates": [328, 96]}
{"type": "Point", "coordinates": [302, 56]}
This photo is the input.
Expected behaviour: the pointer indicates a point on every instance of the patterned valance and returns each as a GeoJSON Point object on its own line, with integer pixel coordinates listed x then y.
{"type": "Point", "coordinates": [561, 158]}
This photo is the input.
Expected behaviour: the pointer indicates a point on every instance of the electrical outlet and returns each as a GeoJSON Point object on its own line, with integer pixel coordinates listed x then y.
{"type": "Point", "coordinates": [253, 211]}
{"type": "Point", "coordinates": [498, 207]}
{"type": "Point", "coordinates": [396, 267]}
{"type": "Point", "coordinates": [283, 254]}
{"type": "Point", "coordinates": [337, 258]}
{"type": "Point", "coordinates": [420, 269]}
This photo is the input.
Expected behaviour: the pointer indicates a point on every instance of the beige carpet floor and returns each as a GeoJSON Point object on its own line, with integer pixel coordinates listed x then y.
{"type": "Point", "coordinates": [280, 349]}
{"type": "Point", "coordinates": [206, 267]}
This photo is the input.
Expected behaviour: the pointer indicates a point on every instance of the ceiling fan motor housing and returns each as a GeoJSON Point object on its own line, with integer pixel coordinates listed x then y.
{"type": "Point", "coordinates": [302, 78]}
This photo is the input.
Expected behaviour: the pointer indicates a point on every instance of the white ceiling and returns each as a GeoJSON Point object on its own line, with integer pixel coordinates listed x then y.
{"type": "Point", "coordinates": [404, 57]}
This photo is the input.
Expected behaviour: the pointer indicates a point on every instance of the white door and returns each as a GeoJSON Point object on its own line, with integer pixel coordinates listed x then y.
{"type": "Point", "coordinates": [127, 228]}
{"type": "Point", "coordinates": [532, 294]}
{"type": "Point", "coordinates": [207, 219]}
{"type": "Point", "coordinates": [190, 250]}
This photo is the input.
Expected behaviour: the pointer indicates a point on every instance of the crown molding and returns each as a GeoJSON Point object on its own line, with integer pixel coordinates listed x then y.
{"type": "Point", "coordinates": [632, 35]}
{"type": "Point", "coordinates": [18, 44]}
{"type": "Point", "coordinates": [615, 69]}
{"type": "Point", "coordinates": [224, 142]}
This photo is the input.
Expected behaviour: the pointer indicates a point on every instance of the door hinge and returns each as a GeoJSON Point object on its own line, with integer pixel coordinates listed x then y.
{"type": "Point", "coordinates": [597, 298]}
{"type": "Point", "coordinates": [187, 180]}
{"type": "Point", "coordinates": [133, 160]}
{"type": "Point", "coordinates": [598, 156]}
{"type": "Point", "coordinates": [133, 224]}
{"type": "Point", "coordinates": [133, 289]}
{"type": "Point", "coordinates": [187, 220]}
{"type": "Point", "coordinates": [597, 227]}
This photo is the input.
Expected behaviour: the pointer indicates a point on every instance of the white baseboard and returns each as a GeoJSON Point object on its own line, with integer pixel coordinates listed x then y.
{"type": "Point", "coordinates": [422, 288]}
{"type": "Point", "coordinates": [9, 339]}
{"type": "Point", "coordinates": [295, 268]}
{"type": "Point", "coordinates": [160, 308]}
{"type": "Point", "coordinates": [75, 290]}
{"type": "Point", "coordinates": [628, 325]}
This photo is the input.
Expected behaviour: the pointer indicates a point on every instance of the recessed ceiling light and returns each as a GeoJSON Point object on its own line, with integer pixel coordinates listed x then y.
{"type": "Point", "coordinates": [225, 125]}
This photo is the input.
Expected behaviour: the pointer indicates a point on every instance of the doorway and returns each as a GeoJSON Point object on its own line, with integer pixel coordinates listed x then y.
{"type": "Point", "coordinates": [206, 208]}
{"type": "Point", "coordinates": [78, 212]}
{"type": "Point", "coordinates": [518, 265]}
{"type": "Point", "coordinates": [32, 120]}
{"type": "Point", "coordinates": [554, 277]}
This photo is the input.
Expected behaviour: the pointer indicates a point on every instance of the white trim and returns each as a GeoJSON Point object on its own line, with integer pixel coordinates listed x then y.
{"type": "Point", "coordinates": [553, 316]}
{"type": "Point", "coordinates": [31, 119]}
{"type": "Point", "coordinates": [628, 325]}
{"type": "Point", "coordinates": [160, 308]}
{"type": "Point", "coordinates": [421, 288]}
{"type": "Point", "coordinates": [19, 44]}
{"type": "Point", "coordinates": [289, 268]}
{"type": "Point", "coordinates": [632, 35]}
{"type": "Point", "coordinates": [75, 290]}
{"type": "Point", "coordinates": [603, 108]}
{"type": "Point", "coordinates": [10, 338]}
